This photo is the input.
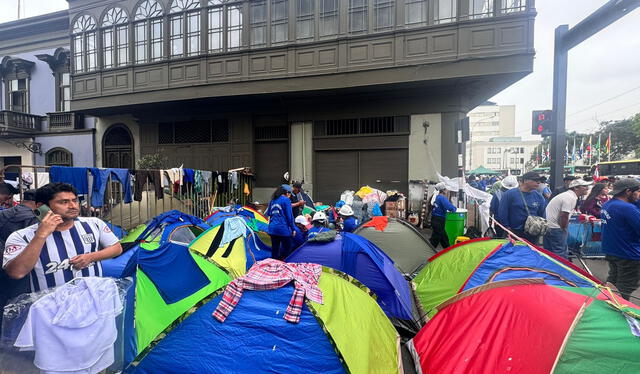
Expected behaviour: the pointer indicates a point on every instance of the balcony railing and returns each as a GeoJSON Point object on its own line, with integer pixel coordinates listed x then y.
{"type": "Point", "coordinates": [60, 121]}
{"type": "Point", "coordinates": [17, 122]}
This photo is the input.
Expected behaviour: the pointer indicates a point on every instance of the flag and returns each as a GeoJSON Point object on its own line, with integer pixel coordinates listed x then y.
{"type": "Point", "coordinates": [581, 152]}
{"type": "Point", "coordinates": [607, 144]}
{"type": "Point", "coordinates": [589, 150]}
{"type": "Point", "coordinates": [573, 152]}
{"type": "Point", "coordinates": [598, 150]}
{"type": "Point", "coordinates": [566, 153]}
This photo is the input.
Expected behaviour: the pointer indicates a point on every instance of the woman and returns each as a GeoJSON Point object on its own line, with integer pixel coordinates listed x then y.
{"type": "Point", "coordinates": [441, 206]}
{"type": "Point", "coordinates": [281, 222]}
{"type": "Point", "coordinates": [593, 203]}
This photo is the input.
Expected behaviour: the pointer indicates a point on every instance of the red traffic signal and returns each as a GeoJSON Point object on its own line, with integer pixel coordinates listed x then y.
{"type": "Point", "coordinates": [542, 123]}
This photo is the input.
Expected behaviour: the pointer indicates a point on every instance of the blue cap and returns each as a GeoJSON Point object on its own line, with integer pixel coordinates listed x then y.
{"type": "Point", "coordinates": [287, 188]}
{"type": "Point", "coordinates": [339, 204]}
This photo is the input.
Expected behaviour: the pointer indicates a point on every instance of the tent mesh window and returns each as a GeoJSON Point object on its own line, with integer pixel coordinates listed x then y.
{"type": "Point", "coordinates": [356, 126]}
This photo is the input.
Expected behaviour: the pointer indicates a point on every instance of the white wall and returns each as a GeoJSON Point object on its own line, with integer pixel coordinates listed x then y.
{"type": "Point", "coordinates": [425, 155]}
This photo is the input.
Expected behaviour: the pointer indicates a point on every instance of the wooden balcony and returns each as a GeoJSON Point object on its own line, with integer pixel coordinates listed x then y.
{"type": "Point", "coordinates": [63, 121]}
{"type": "Point", "coordinates": [17, 124]}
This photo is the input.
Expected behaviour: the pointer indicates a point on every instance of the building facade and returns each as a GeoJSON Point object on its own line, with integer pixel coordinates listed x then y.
{"type": "Point", "coordinates": [338, 93]}
{"type": "Point", "coordinates": [493, 142]}
{"type": "Point", "coordinates": [37, 126]}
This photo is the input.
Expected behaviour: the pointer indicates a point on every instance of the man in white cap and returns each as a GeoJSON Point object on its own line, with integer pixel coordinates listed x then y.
{"type": "Point", "coordinates": [319, 223]}
{"type": "Point", "coordinates": [558, 212]}
{"type": "Point", "coordinates": [301, 229]}
{"type": "Point", "coordinates": [441, 206]}
{"type": "Point", "coordinates": [349, 222]}
{"type": "Point", "coordinates": [621, 236]}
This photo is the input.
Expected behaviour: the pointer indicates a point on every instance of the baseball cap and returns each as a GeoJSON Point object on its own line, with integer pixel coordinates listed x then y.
{"type": "Point", "coordinates": [624, 184]}
{"type": "Point", "coordinates": [579, 182]}
{"type": "Point", "coordinates": [287, 188]}
{"type": "Point", "coordinates": [302, 220]}
{"type": "Point", "coordinates": [531, 176]}
{"type": "Point", "coordinates": [441, 186]}
{"type": "Point", "coordinates": [510, 182]}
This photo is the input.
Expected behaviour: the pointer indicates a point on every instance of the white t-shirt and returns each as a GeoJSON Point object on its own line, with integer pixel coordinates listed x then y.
{"type": "Point", "coordinates": [88, 234]}
{"type": "Point", "coordinates": [73, 329]}
{"type": "Point", "coordinates": [564, 202]}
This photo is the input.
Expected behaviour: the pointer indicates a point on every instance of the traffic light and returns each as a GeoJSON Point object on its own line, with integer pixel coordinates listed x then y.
{"type": "Point", "coordinates": [541, 123]}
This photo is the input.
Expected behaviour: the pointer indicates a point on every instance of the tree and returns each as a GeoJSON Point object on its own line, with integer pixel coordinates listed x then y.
{"type": "Point", "coordinates": [152, 161]}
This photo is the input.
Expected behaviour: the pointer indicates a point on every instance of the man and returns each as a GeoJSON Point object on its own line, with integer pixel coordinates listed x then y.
{"type": "Point", "coordinates": [301, 229]}
{"type": "Point", "coordinates": [62, 246]}
{"type": "Point", "coordinates": [441, 206]}
{"type": "Point", "coordinates": [349, 222]}
{"type": "Point", "coordinates": [566, 180]}
{"type": "Point", "coordinates": [297, 200]}
{"type": "Point", "coordinates": [558, 211]}
{"type": "Point", "coordinates": [508, 183]}
{"type": "Point", "coordinates": [517, 204]}
{"type": "Point", "coordinates": [544, 188]}
{"type": "Point", "coordinates": [11, 220]}
{"type": "Point", "coordinates": [621, 236]}
{"type": "Point", "coordinates": [6, 195]}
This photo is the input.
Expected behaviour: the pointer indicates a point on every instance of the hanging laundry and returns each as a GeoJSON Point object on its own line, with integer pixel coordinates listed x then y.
{"type": "Point", "coordinates": [189, 175]}
{"type": "Point", "coordinates": [142, 176]}
{"type": "Point", "coordinates": [73, 329]}
{"type": "Point", "coordinates": [234, 227]}
{"type": "Point", "coordinates": [77, 177]}
{"type": "Point", "coordinates": [166, 178]}
{"type": "Point", "coordinates": [270, 274]}
{"type": "Point", "coordinates": [233, 179]}
{"type": "Point", "coordinates": [197, 184]}
{"type": "Point", "coordinates": [100, 179]}
{"type": "Point", "coordinates": [223, 182]}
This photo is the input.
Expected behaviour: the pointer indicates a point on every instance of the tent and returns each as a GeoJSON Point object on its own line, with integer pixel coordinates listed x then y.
{"type": "Point", "coordinates": [172, 226]}
{"type": "Point", "coordinates": [475, 262]}
{"type": "Point", "coordinates": [481, 170]}
{"type": "Point", "coordinates": [408, 248]}
{"type": "Point", "coordinates": [169, 280]}
{"type": "Point", "coordinates": [236, 256]}
{"type": "Point", "coordinates": [347, 333]}
{"type": "Point", "coordinates": [527, 327]}
{"type": "Point", "coordinates": [358, 257]}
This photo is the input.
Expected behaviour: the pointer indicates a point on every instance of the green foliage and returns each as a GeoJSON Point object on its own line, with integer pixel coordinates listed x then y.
{"type": "Point", "coordinates": [153, 161]}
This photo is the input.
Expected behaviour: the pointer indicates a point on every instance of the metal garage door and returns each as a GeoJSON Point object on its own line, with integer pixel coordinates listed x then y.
{"type": "Point", "coordinates": [336, 171]}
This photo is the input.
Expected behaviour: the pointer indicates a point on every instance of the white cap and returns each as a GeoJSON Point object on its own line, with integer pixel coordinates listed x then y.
{"type": "Point", "coordinates": [441, 186]}
{"type": "Point", "coordinates": [346, 211]}
{"type": "Point", "coordinates": [579, 182]}
{"type": "Point", "coordinates": [302, 220]}
{"type": "Point", "coordinates": [319, 216]}
{"type": "Point", "coordinates": [510, 182]}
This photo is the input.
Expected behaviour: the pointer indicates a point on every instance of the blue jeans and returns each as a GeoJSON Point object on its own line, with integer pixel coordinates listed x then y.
{"type": "Point", "coordinates": [555, 240]}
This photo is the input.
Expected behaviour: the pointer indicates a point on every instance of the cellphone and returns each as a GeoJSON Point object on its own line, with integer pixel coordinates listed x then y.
{"type": "Point", "coordinates": [41, 212]}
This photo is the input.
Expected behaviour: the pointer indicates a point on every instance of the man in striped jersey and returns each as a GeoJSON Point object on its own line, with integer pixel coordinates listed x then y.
{"type": "Point", "coordinates": [62, 246]}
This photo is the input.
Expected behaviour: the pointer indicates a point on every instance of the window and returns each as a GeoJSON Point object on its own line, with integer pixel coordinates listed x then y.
{"type": "Point", "coordinates": [358, 16]}
{"type": "Point", "coordinates": [225, 25]}
{"type": "Point", "coordinates": [258, 16]}
{"type": "Point", "coordinates": [355, 126]}
{"type": "Point", "coordinates": [480, 8]}
{"type": "Point", "coordinates": [384, 12]}
{"type": "Point", "coordinates": [305, 12]}
{"type": "Point", "coordinates": [415, 12]}
{"type": "Point", "coordinates": [148, 32]}
{"type": "Point", "coordinates": [512, 6]}
{"type": "Point", "coordinates": [58, 157]}
{"type": "Point", "coordinates": [18, 95]}
{"type": "Point", "coordinates": [64, 92]}
{"type": "Point", "coordinates": [445, 11]}
{"type": "Point", "coordinates": [84, 44]}
{"type": "Point", "coordinates": [184, 31]}
{"type": "Point", "coordinates": [279, 21]}
{"type": "Point", "coordinates": [195, 131]}
{"type": "Point", "coordinates": [328, 17]}
{"type": "Point", "coordinates": [115, 38]}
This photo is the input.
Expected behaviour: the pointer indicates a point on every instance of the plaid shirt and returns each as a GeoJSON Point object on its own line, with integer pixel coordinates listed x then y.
{"type": "Point", "coordinates": [270, 274]}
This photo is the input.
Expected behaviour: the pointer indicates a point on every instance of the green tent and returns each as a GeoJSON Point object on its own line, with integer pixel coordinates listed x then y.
{"type": "Point", "coordinates": [482, 170]}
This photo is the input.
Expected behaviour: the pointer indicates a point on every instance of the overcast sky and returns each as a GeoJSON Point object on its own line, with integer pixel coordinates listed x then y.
{"type": "Point", "coordinates": [604, 71]}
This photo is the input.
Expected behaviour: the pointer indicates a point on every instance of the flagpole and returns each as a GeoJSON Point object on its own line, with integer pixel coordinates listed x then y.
{"type": "Point", "coordinates": [609, 147]}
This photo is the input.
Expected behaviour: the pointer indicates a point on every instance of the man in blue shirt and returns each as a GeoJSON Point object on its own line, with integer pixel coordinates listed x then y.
{"type": "Point", "coordinates": [349, 222]}
{"type": "Point", "coordinates": [513, 212]}
{"type": "Point", "coordinates": [441, 206]}
{"type": "Point", "coordinates": [621, 236]}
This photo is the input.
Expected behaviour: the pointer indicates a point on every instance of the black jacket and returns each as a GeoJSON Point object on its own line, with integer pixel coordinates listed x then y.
{"type": "Point", "coordinates": [14, 219]}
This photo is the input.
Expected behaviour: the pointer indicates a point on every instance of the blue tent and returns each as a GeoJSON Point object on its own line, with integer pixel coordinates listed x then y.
{"type": "Point", "coordinates": [358, 257]}
{"type": "Point", "coordinates": [172, 226]}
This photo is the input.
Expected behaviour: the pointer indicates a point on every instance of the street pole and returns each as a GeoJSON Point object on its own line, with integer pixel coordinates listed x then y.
{"type": "Point", "coordinates": [565, 39]}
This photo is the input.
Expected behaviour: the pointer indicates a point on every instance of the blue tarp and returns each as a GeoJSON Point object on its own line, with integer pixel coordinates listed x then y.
{"type": "Point", "coordinates": [358, 257]}
{"type": "Point", "coordinates": [519, 261]}
{"type": "Point", "coordinates": [253, 339]}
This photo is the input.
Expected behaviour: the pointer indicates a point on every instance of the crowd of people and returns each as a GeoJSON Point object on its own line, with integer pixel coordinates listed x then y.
{"type": "Point", "coordinates": [524, 205]}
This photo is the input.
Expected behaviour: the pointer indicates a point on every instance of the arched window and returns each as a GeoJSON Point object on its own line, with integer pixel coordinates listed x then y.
{"type": "Point", "coordinates": [148, 32]}
{"type": "Point", "coordinates": [225, 24]}
{"type": "Point", "coordinates": [84, 44]}
{"type": "Point", "coordinates": [115, 38]}
{"type": "Point", "coordinates": [184, 21]}
{"type": "Point", "coordinates": [58, 157]}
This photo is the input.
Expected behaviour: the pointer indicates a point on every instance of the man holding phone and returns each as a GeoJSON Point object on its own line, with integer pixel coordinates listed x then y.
{"type": "Point", "coordinates": [62, 245]}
